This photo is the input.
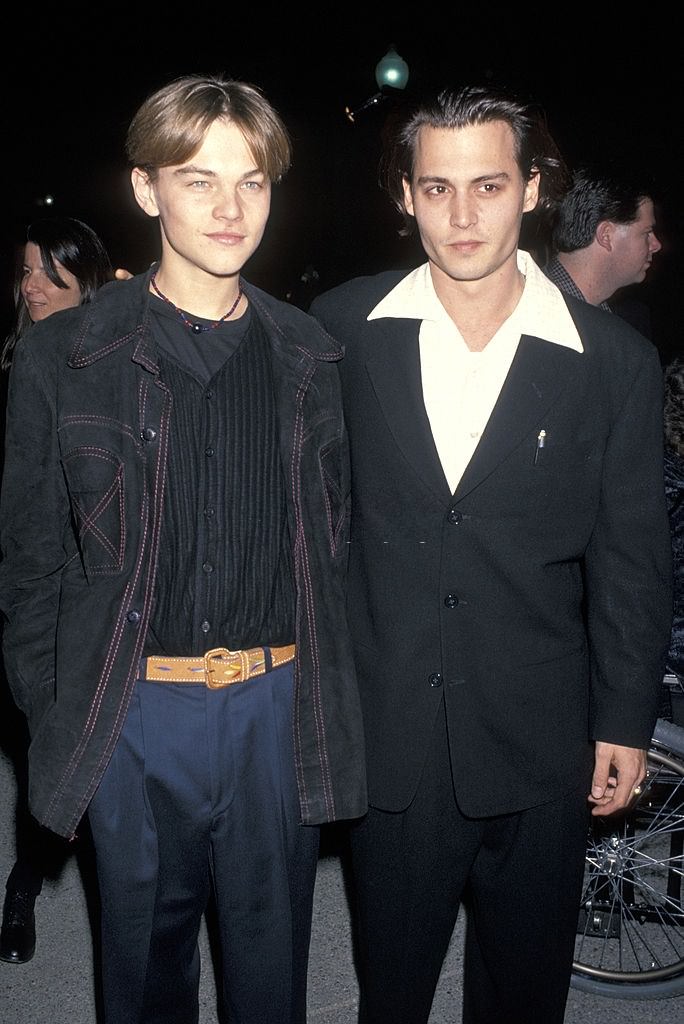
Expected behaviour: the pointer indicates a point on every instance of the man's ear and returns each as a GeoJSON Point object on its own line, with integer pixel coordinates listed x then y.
{"type": "Point", "coordinates": [408, 196]}
{"type": "Point", "coordinates": [604, 234]}
{"type": "Point", "coordinates": [531, 194]}
{"type": "Point", "coordinates": [143, 190]}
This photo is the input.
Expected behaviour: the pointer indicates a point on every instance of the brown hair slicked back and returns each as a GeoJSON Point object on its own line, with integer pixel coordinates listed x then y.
{"type": "Point", "coordinates": [170, 125]}
{"type": "Point", "coordinates": [535, 149]}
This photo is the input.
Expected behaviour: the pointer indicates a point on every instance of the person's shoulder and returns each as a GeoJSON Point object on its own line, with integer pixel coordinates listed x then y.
{"type": "Point", "coordinates": [114, 307]}
{"type": "Point", "coordinates": [292, 325]}
{"type": "Point", "coordinates": [606, 335]}
{"type": "Point", "coordinates": [357, 296]}
{"type": "Point", "coordinates": [45, 337]}
{"type": "Point", "coordinates": [278, 310]}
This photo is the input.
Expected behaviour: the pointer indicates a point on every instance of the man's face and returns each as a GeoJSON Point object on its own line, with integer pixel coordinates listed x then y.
{"type": "Point", "coordinates": [468, 197]}
{"type": "Point", "coordinates": [41, 295]}
{"type": "Point", "coordinates": [634, 246]}
{"type": "Point", "coordinates": [212, 209]}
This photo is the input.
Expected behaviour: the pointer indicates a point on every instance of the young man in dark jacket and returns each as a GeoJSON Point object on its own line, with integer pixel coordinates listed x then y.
{"type": "Point", "coordinates": [509, 573]}
{"type": "Point", "coordinates": [173, 520]}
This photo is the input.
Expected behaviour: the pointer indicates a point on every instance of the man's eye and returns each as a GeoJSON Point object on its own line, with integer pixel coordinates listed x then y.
{"type": "Point", "coordinates": [251, 186]}
{"type": "Point", "coordinates": [200, 184]}
{"type": "Point", "coordinates": [489, 186]}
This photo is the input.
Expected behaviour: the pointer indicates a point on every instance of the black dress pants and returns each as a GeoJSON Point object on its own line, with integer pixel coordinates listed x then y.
{"type": "Point", "coordinates": [521, 874]}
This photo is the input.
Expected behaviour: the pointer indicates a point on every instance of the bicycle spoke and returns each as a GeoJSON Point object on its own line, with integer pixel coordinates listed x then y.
{"type": "Point", "coordinates": [632, 928]}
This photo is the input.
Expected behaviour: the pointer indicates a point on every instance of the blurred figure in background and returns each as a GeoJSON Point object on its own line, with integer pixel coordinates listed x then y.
{"type": "Point", "coordinates": [674, 492]}
{"type": "Point", "coordinates": [64, 263]}
{"type": "Point", "coordinates": [604, 240]}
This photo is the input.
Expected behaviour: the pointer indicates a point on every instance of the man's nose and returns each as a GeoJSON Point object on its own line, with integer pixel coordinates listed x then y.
{"type": "Point", "coordinates": [462, 211]}
{"type": "Point", "coordinates": [228, 206]}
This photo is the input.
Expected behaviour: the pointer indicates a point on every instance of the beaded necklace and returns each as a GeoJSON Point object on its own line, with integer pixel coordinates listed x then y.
{"type": "Point", "coordinates": [194, 327]}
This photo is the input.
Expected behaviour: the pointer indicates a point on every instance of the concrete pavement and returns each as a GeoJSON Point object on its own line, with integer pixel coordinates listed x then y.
{"type": "Point", "coordinates": [58, 986]}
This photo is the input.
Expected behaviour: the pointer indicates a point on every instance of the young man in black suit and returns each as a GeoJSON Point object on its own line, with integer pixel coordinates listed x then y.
{"type": "Point", "coordinates": [509, 573]}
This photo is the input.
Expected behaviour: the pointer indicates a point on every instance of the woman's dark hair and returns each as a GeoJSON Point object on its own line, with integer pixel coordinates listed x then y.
{"type": "Point", "coordinates": [674, 405]}
{"type": "Point", "coordinates": [535, 149]}
{"type": "Point", "coordinates": [77, 248]}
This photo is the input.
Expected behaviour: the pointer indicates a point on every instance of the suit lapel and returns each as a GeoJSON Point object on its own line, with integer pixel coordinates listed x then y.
{"type": "Point", "coordinates": [539, 372]}
{"type": "Point", "coordinates": [394, 370]}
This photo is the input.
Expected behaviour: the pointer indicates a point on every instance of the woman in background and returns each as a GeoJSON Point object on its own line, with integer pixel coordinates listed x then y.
{"type": "Point", "coordinates": [64, 263]}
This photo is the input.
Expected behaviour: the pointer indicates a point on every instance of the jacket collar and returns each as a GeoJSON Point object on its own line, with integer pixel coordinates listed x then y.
{"type": "Point", "coordinates": [120, 315]}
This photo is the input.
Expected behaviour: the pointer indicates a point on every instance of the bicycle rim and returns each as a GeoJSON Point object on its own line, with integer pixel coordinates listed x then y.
{"type": "Point", "coordinates": [631, 924]}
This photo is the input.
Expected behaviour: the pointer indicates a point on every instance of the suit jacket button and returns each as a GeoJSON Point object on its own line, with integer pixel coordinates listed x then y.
{"type": "Point", "coordinates": [451, 600]}
{"type": "Point", "coordinates": [435, 679]}
{"type": "Point", "coordinates": [454, 516]}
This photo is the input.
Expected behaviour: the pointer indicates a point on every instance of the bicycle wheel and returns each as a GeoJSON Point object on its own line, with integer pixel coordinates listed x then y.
{"type": "Point", "coordinates": [630, 940]}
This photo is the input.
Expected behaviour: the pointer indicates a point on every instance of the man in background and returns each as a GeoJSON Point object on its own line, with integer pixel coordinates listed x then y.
{"type": "Point", "coordinates": [603, 240]}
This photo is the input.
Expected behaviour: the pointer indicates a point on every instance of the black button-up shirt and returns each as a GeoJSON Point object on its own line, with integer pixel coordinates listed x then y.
{"type": "Point", "coordinates": [224, 576]}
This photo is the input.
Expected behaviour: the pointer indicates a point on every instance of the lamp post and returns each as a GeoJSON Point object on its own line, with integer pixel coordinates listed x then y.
{"type": "Point", "coordinates": [391, 72]}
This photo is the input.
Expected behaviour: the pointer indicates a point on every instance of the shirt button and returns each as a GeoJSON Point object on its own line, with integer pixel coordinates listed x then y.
{"type": "Point", "coordinates": [454, 516]}
{"type": "Point", "coordinates": [451, 600]}
{"type": "Point", "coordinates": [133, 616]}
{"type": "Point", "coordinates": [207, 567]}
{"type": "Point", "coordinates": [206, 626]}
{"type": "Point", "coordinates": [435, 679]}
{"type": "Point", "coordinates": [208, 393]}
{"type": "Point", "coordinates": [209, 512]}
{"type": "Point", "coordinates": [209, 451]}
{"type": "Point", "coordinates": [148, 434]}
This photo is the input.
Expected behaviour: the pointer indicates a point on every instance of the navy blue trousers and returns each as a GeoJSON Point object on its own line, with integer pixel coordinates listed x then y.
{"type": "Point", "coordinates": [519, 876]}
{"type": "Point", "coordinates": [201, 789]}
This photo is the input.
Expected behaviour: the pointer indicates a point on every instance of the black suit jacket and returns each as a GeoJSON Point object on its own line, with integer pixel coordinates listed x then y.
{"type": "Point", "coordinates": [535, 601]}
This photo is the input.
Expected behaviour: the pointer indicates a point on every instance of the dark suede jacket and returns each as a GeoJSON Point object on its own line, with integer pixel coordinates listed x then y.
{"type": "Point", "coordinates": [82, 496]}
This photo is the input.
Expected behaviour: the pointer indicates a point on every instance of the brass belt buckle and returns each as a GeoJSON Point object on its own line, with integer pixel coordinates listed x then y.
{"type": "Point", "coordinates": [220, 672]}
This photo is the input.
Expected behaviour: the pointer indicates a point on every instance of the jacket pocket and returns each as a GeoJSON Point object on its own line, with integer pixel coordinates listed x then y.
{"type": "Point", "coordinates": [95, 478]}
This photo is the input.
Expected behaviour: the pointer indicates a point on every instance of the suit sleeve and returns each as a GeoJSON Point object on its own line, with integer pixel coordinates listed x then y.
{"type": "Point", "coordinates": [34, 514]}
{"type": "Point", "coordinates": [628, 569]}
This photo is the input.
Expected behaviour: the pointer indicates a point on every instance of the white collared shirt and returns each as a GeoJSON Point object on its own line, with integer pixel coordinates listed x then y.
{"type": "Point", "coordinates": [460, 387]}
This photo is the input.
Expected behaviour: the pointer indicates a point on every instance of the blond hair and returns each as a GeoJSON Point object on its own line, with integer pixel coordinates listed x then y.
{"type": "Point", "coordinates": [170, 125]}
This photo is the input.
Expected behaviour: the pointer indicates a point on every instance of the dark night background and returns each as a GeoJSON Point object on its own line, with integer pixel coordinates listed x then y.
{"type": "Point", "coordinates": [611, 85]}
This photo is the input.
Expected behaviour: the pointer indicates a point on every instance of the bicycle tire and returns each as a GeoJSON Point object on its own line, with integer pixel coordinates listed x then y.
{"type": "Point", "coordinates": [630, 942]}
{"type": "Point", "coordinates": [669, 737]}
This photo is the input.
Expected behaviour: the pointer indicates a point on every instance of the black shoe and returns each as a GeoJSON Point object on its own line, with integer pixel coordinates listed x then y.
{"type": "Point", "coordinates": [18, 934]}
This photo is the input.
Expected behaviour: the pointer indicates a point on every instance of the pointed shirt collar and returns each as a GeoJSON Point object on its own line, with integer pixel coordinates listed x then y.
{"type": "Point", "coordinates": [541, 311]}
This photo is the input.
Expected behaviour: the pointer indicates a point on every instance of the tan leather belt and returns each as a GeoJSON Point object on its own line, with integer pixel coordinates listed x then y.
{"type": "Point", "coordinates": [219, 667]}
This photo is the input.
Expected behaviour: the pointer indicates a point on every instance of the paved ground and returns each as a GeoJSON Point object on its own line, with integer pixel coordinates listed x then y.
{"type": "Point", "coordinates": [57, 986]}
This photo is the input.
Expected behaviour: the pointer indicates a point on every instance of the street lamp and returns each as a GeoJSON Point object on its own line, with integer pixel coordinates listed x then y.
{"type": "Point", "coordinates": [391, 72]}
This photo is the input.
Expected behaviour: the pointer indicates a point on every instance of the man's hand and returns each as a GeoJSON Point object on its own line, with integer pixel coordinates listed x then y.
{"type": "Point", "coordinates": [617, 771]}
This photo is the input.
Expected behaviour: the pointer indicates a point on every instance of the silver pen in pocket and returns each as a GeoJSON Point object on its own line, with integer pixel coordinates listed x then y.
{"type": "Point", "coordinates": [541, 441]}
